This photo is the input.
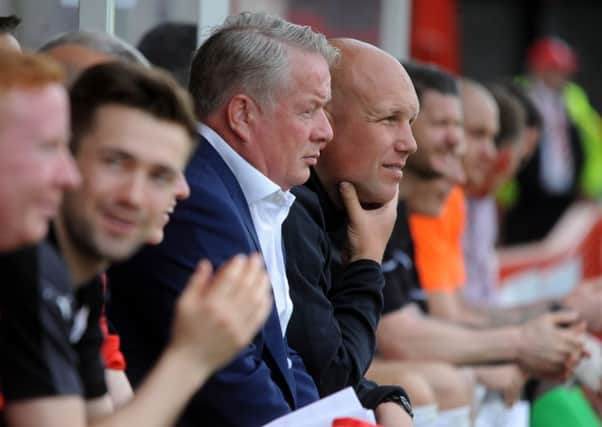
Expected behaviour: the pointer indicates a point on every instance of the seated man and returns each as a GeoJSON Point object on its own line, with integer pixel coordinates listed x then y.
{"type": "Point", "coordinates": [438, 134]}
{"type": "Point", "coordinates": [260, 85]}
{"type": "Point", "coordinates": [406, 332]}
{"type": "Point", "coordinates": [338, 301]}
{"type": "Point", "coordinates": [452, 296]}
{"type": "Point", "coordinates": [76, 51]}
{"type": "Point", "coordinates": [35, 164]}
{"type": "Point", "coordinates": [442, 236]}
{"type": "Point", "coordinates": [132, 134]}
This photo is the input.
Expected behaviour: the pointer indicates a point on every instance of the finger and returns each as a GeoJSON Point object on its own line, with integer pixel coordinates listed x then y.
{"type": "Point", "coordinates": [227, 277]}
{"type": "Point", "coordinates": [253, 282]}
{"type": "Point", "coordinates": [573, 340]}
{"type": "Point", "coordinates": [564, 317]}
{"type": "Point", "coordinates": [258, 306]}
{"type": "Point", "coordinates": [262, 303]}
{"type": "Point", "coordinates": [350, 199]}
{"type": "Point", "coordinates": [554, 360]}
{"type": "Point", "coordinates": [395, 200]}
{"type": "Point", "coordinates": [252, 279]}
{"type": "Point", "coordinates": [200, 279]}
{"type": "Point", "coordinates": [510, 396]}
{"type": "Point", "coordinates": [391, 205]}
{"type": "Point", "coordinates": [580, 327]}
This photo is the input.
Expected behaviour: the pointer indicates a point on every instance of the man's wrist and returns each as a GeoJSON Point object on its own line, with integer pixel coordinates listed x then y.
{"type": "Point", "coordinates": [197, 368]}
{"type": "Point", "coordinates": [400, 399]}
{"type": "Point", "coordinates": [375, 255]}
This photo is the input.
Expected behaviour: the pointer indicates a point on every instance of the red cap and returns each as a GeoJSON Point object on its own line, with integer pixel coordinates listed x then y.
{"type": "Point", "coordinates": [551, 53]}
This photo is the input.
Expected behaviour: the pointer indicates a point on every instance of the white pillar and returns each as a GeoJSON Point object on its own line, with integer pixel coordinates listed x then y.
{"type": "Point", "coordinates": [210, 14]}
{"type": "Point", "coordinates": [97, 15]}
{"type": "Point", "coordinates": [395, 21]}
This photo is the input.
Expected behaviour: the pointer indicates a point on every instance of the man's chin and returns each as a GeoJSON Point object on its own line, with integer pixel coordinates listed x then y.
{"type": "Point", "coordinates": [155, 238]}
{"type": "Point", "coordinates": [120, 252]}
{"type": "Point", "coordinates": [373, 199]}
{"type": "Point", "coordinates": [300, 179]}
{"type": "Point", "coordinates": [32, 234]}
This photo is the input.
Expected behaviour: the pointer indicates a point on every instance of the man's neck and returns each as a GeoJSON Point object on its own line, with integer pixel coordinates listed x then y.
{"type": "Point", "coordinates": [82, 267]}
{"type": "Point", "coordinates": [330, 187]}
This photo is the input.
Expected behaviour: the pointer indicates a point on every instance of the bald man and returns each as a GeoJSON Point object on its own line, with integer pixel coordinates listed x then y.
{"type": "Point", "coordinates": [341, 221]}
{"type": "Point", "coordinates": [481, 124]}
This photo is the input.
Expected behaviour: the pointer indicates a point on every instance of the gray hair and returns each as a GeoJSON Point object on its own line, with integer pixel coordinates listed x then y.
{"type": "Point", "coordinates": [249, 53]}
{"type": "Point", "coordinates": [99, 42]}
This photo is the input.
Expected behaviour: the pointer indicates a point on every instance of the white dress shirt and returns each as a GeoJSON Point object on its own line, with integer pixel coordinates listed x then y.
{"type": "Point", "coordinates": [269, 207]}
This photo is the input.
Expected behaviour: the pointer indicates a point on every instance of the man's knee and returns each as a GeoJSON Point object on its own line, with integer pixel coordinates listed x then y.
{"type": "Point", "coordinates": [452, 386]}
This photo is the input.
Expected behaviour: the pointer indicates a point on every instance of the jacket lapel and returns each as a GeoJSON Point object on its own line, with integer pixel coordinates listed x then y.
{"type": "Point", "coordinates": [275, 343]}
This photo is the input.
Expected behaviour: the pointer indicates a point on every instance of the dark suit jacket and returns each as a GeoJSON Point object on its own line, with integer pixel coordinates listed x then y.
{"type": "Point", "coordinates": [263, 382]}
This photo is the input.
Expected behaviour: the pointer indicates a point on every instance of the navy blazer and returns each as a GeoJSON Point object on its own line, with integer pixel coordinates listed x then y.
{"type": "Point", "coordinates": [267, 379]}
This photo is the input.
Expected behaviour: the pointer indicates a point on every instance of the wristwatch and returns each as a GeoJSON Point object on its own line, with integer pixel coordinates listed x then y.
{"type": "Point", "coordinates": [402, 400]}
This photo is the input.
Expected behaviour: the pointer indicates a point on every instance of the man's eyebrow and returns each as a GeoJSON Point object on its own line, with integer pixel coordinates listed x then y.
{"type": "Point", "coordinates": [116, 151]}
{"type": "Point", "coordinates": [396, 109]}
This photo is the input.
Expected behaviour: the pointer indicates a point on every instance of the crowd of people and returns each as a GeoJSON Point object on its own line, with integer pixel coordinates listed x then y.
{"type": "Point", "coordinates": [309, 215]}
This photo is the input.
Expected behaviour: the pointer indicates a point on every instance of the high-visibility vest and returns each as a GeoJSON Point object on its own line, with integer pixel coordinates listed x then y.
{"type": "Point", "coordinates": [588, 124]}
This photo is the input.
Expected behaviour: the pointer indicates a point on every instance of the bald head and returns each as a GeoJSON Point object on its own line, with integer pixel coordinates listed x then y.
{"type": "Point", "coordinates": [481, 125]}
{"type": "Point", "coordinates": [373, 105]}
{"type": "Point", "coordinates": [362, 72]}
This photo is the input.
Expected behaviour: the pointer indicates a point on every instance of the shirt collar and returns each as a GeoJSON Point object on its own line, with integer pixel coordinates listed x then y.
{"type": "Point", "coordinates": [255, 185]}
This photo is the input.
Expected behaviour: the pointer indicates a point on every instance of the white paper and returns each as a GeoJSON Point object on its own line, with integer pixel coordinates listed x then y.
{"type": "Point", "coordinates": [322, 413]}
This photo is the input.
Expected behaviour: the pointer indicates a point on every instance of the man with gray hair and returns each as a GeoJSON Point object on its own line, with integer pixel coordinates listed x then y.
{"type": "Point", "coordinates": [79, 50]}
{"type": "Point", "coordinates": [260, 85]}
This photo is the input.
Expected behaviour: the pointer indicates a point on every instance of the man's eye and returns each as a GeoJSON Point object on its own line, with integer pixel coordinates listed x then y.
{"type": "Point", "coordinates": [49, 145]}
{"type": "Point", "coordinates": [112, 161]}
{"type": "Point", "coordinates": [163, 178]}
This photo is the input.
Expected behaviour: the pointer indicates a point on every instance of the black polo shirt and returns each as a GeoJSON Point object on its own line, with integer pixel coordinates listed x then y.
{"type": "Point", "coordinates": [337, 304]}
{"type": "Point", "coordinates": [50, 337]}
{"type": "Point", "coordinates": [402, 285]}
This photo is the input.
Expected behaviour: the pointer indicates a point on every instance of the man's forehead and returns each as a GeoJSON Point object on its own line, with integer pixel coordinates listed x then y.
{"type": "Point", "coordinates": [21, 101]}
{"type": "Point", "coordinates": [480, 109]}
{"type": "Point", "coordinates": [382, 92]}
{"type": "Point", "coordinates": [309, 70]}
{"type": "Point", "coordinates": [144, 137]}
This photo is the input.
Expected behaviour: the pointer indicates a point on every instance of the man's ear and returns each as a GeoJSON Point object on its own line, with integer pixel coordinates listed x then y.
{"type": "Point", "coordinates": [241, 113]}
